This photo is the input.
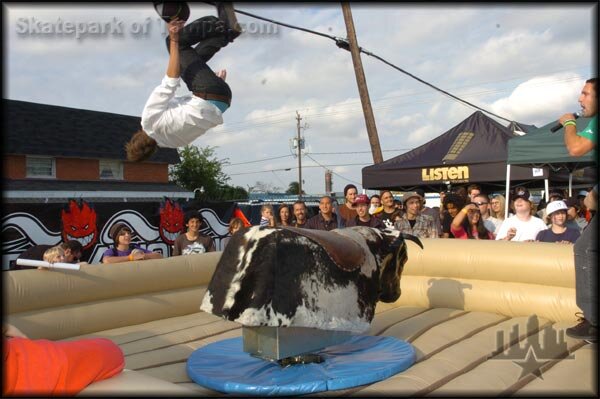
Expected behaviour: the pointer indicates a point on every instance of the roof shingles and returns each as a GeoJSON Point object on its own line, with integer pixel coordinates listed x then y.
{"type": "Point", "coordinates": [40, 129]}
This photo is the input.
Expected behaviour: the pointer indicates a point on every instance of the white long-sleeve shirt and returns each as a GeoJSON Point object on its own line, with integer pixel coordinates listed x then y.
{"type": "Point", "coordinates": [177, 121]}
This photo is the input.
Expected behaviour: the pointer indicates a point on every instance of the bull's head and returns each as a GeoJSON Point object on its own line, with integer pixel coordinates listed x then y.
{"type": "Point", "coordinates": [393, 264]}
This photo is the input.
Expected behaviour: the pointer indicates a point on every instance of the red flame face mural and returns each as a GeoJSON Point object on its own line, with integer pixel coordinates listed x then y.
{"type": "Point", "coordinates": [79, 223]}
{"type": "Point", "coordinates": [171, 221]}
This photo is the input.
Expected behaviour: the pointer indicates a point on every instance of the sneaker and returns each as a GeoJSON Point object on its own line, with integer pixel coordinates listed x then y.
{"type": "Point", "coordinates": [584, 330]}
{"type": "Point", "coordinates": [227, 15]}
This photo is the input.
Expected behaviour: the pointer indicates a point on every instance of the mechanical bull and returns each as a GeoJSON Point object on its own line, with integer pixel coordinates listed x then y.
{"type": "Point", "coordinates": [292, 277]}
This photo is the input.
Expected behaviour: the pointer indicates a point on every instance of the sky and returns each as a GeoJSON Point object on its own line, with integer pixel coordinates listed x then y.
{"type": "Point", "coordinates": [524, 63]}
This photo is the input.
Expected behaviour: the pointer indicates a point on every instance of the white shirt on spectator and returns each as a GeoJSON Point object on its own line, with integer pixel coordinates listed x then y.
{"type": "Point", "coordinates": [177, 121]}
{"type": "Point", "coordinates": [492, 224]}
{"type": "Point", "coordinates": [525, 230]}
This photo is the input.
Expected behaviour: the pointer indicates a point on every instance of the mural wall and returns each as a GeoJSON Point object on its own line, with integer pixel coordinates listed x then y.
{"type": "Point", "coordinates": [156, 225]}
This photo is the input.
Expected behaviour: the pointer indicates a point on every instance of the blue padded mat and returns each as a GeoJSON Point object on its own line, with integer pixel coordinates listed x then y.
{"type": "Point", "coordinates": [223, 366]}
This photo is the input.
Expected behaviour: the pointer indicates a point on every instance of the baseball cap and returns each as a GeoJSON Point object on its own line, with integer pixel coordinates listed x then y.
{"type": "Point", "coordinates": [410, 195]}
{"type": "Point", "coordinates": [361, 199]}
{"type": "Point", "coordinates": [116, 229]}
{"type": "Point", "coordinates": [556, 206]}
{"type": "Point", "coordinates": [582, 193]}
{"type": "Point", "coordinates": [521, 192]}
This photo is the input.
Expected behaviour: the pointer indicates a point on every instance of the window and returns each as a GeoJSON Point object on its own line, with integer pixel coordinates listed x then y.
{"type": "Point", "coordinates": [44, 167]}
{"type": "Point", "coordinates": [460, 143]}
{"type": "Point", "coordinates": [111, 170]}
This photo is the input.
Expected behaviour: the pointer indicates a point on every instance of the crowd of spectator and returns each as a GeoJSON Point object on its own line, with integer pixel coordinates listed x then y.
{"type": "Point", "coordinates": [467, 212]}
{"type": "Point", "coordinates": [464, 213]}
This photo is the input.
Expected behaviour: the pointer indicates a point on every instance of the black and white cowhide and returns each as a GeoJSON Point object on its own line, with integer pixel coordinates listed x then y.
{"type": "Point", "coordinates": [287, 277]}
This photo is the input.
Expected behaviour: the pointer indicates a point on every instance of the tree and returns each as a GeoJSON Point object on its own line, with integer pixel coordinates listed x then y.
{"type": "Point", "coordinates": [233, 193]}
{"type": "Point", "coordinates": [262, 187]}
{"type": "Point", "coordinates": [294, 188]}
{"type": "Point", "coordinates": [200, 169]}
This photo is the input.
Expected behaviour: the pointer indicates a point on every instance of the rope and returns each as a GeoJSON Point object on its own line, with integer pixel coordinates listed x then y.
{"type": "Point", "coordinates": [432, 86]}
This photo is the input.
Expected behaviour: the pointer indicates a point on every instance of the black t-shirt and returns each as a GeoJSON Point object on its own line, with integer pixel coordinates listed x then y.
{"type": "Point", "coordinates": [446, 222]}
{"type": "Point", "coordinates": [387, 219]}
{"type": "Point", "coordinates": [34, 253]}
{"type": "Point", "coordinates": [373, 222]}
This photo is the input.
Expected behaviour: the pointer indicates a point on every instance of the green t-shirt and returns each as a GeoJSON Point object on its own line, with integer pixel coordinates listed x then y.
{"type": "Point", "coordinates": [591, 130]}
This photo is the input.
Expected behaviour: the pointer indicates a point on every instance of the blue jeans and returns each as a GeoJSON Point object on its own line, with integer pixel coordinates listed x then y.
{"type": "Point", "coordinates": [207, 34]}
{"type": "Point", "coordinates": [586, 271]}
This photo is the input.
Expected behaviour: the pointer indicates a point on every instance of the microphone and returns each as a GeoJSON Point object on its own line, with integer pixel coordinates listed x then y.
{"type": "Point", "coordinates": [558, 125]}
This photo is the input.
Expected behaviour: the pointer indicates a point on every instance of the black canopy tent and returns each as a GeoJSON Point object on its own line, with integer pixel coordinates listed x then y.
{"type": "Point", "coordinates": [474, 151]}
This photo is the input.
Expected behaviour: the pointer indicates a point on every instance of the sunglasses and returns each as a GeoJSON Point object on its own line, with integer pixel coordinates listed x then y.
{"type": "Point", "coordinates": [481, 203]}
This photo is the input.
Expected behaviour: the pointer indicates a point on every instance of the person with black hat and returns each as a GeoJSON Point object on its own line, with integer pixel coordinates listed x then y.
{"type": "Point", "coordinates": [192, 242]}
{"type": "Point", "coordinates": [173, 122]}
{"type": "Point", "coordinates": [522, 226]}
{"type": "Point", "coordinates": [123, 250]}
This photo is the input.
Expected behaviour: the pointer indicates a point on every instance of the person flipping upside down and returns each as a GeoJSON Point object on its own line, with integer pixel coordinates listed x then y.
{"type": "Point", "coordinates": [172, 122]}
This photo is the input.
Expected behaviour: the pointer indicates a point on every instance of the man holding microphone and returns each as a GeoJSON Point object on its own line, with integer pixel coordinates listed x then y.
{"type": "Point", "coordinates": [586, 247]}
{"type": "Point", "coordinates": [580, 143]}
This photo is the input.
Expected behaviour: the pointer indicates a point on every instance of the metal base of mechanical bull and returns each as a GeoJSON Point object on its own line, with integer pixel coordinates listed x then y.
{"type": "Point", "coordinates": [290, 345]}
{"type": "Point", "coordinates": [225, 367]}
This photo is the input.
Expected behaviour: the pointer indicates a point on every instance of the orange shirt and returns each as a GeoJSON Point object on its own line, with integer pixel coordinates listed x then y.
{"type": "Point", "coordinates": [42, 367]}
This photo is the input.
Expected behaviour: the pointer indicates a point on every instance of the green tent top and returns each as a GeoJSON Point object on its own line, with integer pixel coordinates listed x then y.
{"type": "Point", "coordinates": [542, 147]}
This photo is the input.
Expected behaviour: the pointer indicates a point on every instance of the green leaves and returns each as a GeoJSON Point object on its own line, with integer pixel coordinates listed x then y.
{"type": "Point", "coordinates": [200, 169]}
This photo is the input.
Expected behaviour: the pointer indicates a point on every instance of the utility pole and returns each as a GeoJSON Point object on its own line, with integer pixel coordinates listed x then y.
{"type": "Point", "coordinates": [298, 119]}
{"type": "Point", "coordinates": [362, 85]}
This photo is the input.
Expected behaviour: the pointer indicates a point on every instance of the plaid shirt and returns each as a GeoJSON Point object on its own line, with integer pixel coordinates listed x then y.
{"type": "Point", "coordinates": [424, 227]}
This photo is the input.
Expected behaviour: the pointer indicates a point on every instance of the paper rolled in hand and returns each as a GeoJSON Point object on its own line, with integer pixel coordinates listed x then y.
{"type": "Point", "coordinates": [41, 263]}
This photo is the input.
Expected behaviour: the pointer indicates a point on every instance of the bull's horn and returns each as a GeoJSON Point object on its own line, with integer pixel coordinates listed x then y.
{"type": "Point", "coordinates": [412, 238]}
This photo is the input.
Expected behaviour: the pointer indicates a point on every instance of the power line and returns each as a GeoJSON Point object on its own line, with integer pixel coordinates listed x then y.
{"type": "Point", "coordinates": [286, 25]}
{"type": "Point", "coordinates": [238, 126]}
{"type": "Point", "coordinates": [337, 174]}
{"type": "Point", "coordinates": [343, 44]}
{"type": "Point", "coordinates": [357, 152]}
{"type": "Point", "coordinates": [264, 120]}
{"type": "Point", "coordinates": [258, 160]}
{"type": "Point", "coordinates": [262, 171]}
{"type": "Point", "coordinates": [317, 153]}
{"type": "Point", "coordinates": [432, 86]}
{"type": "Point", "coordinates": [303, 167]}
